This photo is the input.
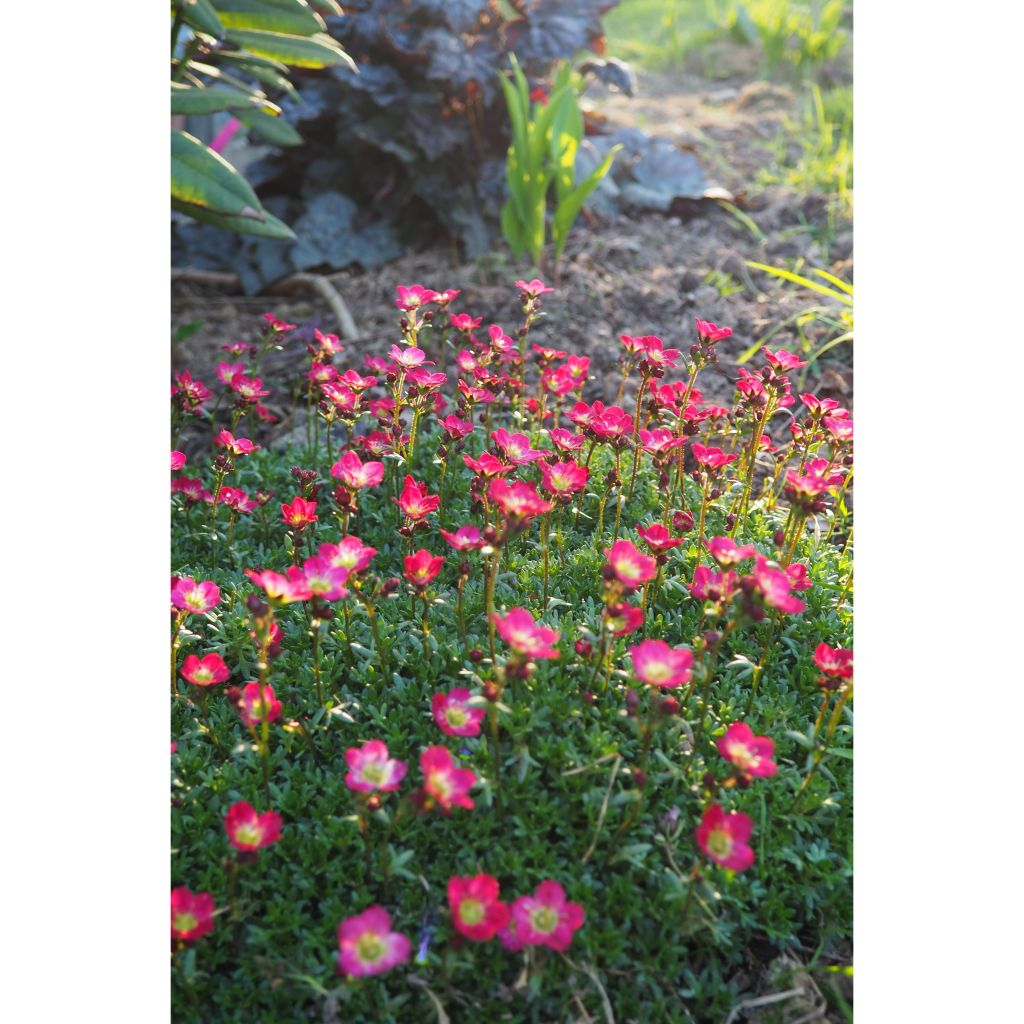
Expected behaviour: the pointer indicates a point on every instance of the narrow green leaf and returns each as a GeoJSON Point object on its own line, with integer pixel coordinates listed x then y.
{"type": "Point", "coordinates": [274, 129]}
{"type": "Point", "coordinates": [292, 17]}
{"type": "Point", "coordinates": [211, 99]}
{"type": "Point", "coordinates": [268, 227]}
{"type": "Point", "coordinates": [200, 14]}
{"type": "Point", "coordinates": [202, 178]}
{"type": "Point", "coordinates": [319, 51]}
{"type": "Point", "coordinates": [788, 275]}
{"type": "Point", "coordinates": [568, 209]}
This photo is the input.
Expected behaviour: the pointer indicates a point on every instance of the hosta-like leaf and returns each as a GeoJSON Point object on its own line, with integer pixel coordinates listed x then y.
{"type": "Point", "coordinates": [211, 99]}
{"type": "Point", "coordinates": [319, 51]}
{"type": "Point", "coordinates": [200, 14]}
{"type": "Point", "coordinates": [267, 226]}
{"type": "Point", "coordinates": [274, 129]}
{"type": "Point", "coordinates": [204, 179]}
{"type": "Point", "coordinates": [293, 17]}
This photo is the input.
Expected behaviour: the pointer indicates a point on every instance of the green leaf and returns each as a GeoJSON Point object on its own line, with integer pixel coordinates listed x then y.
{"type": "Point", "coordinates": [319, 51]}
{"type": "Point", "coordinates": [268, 226]}
{"type": "Point", "coordinates": [211, 99]}
{"type": "Point", "coordinates": [569, 207]}
{"type": "Point", "coordinates": [204, 179]}
{"type": "Point", "coordinates": [269, 72]}
{"type": "Point", "coordinates": [292, 17]}
{"type": "Point", "coordinates": [788, 275]}
{"type": "Point", "coordinates": [330, 6]}
{"type": "Point", "coordinates": [200, 14]}
{"type": "Point", "coordinates": [273, 128]}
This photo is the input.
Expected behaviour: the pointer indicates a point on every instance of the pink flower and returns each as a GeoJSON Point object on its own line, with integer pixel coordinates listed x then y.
{"type": "Point", "coordinates": [414, 296]}
{"type": "Point", "coordinates": [422, 567]}
{"type": "Point", "coordinates": [235, 445]}
{"type": "Point", "coordinates": [236, 499]}
{"type": "Point", "coordinates": [464, 322]}
{"type": "Point", "coordinates": [713, 458]}
{"type": "Point", "coordinates": [454, 715]}
{"type": "Point", "coordinates": [487, 465]}
{"type": "Point", "coordinates": [276, 325]}
{"type": "Point", "coordinates": [657, 355]}
{"type": "Point", "coordinates": [623, 619]}
{"type": "Point", "coordinates": [299, 514]}
{"type": "Point", "coordinates": [657, 538]}
{"type": "Point", "coordinates": [178, 459]}
{"type": "Point", "coordinates": [774, 587]}
{"type": "Point", "coordinates": [415, 502]}
{"type": "Point", "coordinates": [519, 502]}
{"type": "Point", "coordinates": [708, 333]}
{"type": "Point", "coordinates": [797, 573]}
{"type": "Point", "coordinates": [206, 671]}
{"type": "Point", "coordinates": [227, 371]}
{"type": "Point", "coordinates": [630, 565]}
{"type": "Point", "coordinates": [443, 783]}
{"type": "Point", "coordinates": [565, 440]}
{"type": "Point", "coordinates": [465, 538]}
{"type": "Point", "coordinates": [723, 837]}
{"type": "Point", "coordinates": [533, 289]}
{"type": "Point", "coordinates": [324, 580]}
{"type": "Point", "coordinates": [612, 423]}
{"type": "Point", "coordinates": [563, 477]}
{"type": "Point", "coordinates": [455, 428]}
{"type": "Point", "coordinates": [356, 474]}
{"type": "Point", "coordinates": [236, 348]}
{"type": "Point", "coordinates": [726, 552]}
{"type": "Point", "coordinates": [660, 440]}
{"type": "Point", "coordinates": [657, 664]}
{"type": "Point", "coordinates": [191, 914]}
{"type": "Point", "coordinates": [752, 755]}
{"type": "Point", "coordinates": [286, 589]}
{"type": "Point", "coordinates": [190, 596]}
{"type": "Point", "coordinates": [248, 830]}
{"type": "Point", "coordinates": [372, 770]}
{"type": "Point", "coordinates": [516, 448]}
{"type": "Point", "coordinates": [836, 662]}
{"type": "Point", "coordinates": [409, 358]}
{"type": "Point", "coordinates": [249, 388]}
{"type": "Point", "coordinates": [783, 360]}
{"type": "Point", "coordinates": [191, 488]}
{"type": "Point", "coordinates": [254, 707]}
{"type": "Point", "coordinates": [195, 391]}
{"type": "Point", "coordinates": [525, 636]}
{"type": "Point", "coordinates": [476, 910]}
{"type": "Point", "coordinates": [546, 918]}
{"type": "Point", "coordinates": [367, 945]}
{"type": "Point", "coordinates": [709, 585]}
{"type": "Point", "coordinates": [349, 553]}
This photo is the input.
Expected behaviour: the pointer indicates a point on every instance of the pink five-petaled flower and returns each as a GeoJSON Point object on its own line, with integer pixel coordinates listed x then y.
{"type": "Point", "coordinates": [566, 440]}
{"type": "Point", "coordinates": [249, 830]}
{"type": "Point", "coordinates": [476, 910]}
{"type": "Point", "coordinates": [349, 553]}
{"type": "Point", "coordinates": [371, 769]}
{"type": "Point", "coordinates": [525, 636]}
{"type": "Point", "coordinates": [516, 448]}
{"type": "Point", "coordinates": [709, 333]}
{"type": "Point", "coordinates": [191, 914]}
{"type": "Point", "coordinates": [286, 589]}
{"type": "Point", "coordinates": [622, 618]}
{"type": "Point", "coordinates": [454, 715]}
{"type": "Point", "coordinates": [277, 325]}
{"type": "Point", "coordinates": [299, 514]}
{"type": "Point", "coordinates": [834, 661]}
{"type": "Point", "coordinates": [487, 465]}
{"type": "Point", "coordinates": [518, 501]}
{"type": "Point", "coordinates": [783, 360]}
{"type": "Point", "coordinates": [422, 567]}
{"type": "Point", "coordinates": [324, 580]}
{"type": "Point", "coordinates": [206, 671]}
{"type": "Point", "coordinates": [723, 837]}
{"type": "Point", "coordinates": [657, 664]}
{"type": "Point", "coordinates": [547, 918]}
{"type": "Point", "coordinates": [455, 428]}
{"type": "Point", "coordinates": [255, 707]}
{"type": "Point", "coordinates": [709, 585]}
{"type": "Point", "coordinates": [197, 598]}
{"type": "Point", "coordinates": [657, 355]}
{"type": "Point", "coordinates": [443, 783]}
{"type": "Point", "coordinates": [356, 474]}
{"type": "Point", "coordinates": [367, 945]}
{"type": "Point", "coordinates": [235, 445]}
{"type": "Point", "coordinates": [630, 565]}
{"type": "Point", "coordinates": [657, 538]}
{"type": "Point", "coordinates": [563, 477]}
{"type": "Point", "coordinates": [713, 458]}
{"type": "Point", "coordinates": [533, 289]}
{"type": "Point", "coordinates": [415, 502]}
{"type": "Point", "coordinates": [774, 586]}
{"type": "Point", "coordinates": [751, 755]}
{"type": "Point", "coordinates": [178, 459]}
{"type": "Point", "coordinates": [409, 358]}
{"type": "Point", "coordinates": [465, 538]}
{"type": "Point", "coordinates": [414, 296]}
{"type": "Point", "coordinates": [727, 552]}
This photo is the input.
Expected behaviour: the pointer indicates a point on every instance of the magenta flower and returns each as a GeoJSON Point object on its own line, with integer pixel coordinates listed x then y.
{"type": "Point", "coordinates": [415, 502]}
{"type": "Point", "coordinates": [623, 619]}
{"type": "Point", "coordinates": [235, 445]}
{"type": "Point", "coordinates": [356, 474]}
{"type": "Point", "coordinates": [657, 664]}
{"type": "Point", "coordinates": [367, 945]}
{"type": "Point", "coordinates": [657, 538]}
{"type": "Point", "coordinates": [487, 465]}
{"type": "Point", "coordinates": [227, 371]}
{"type": "Point", "coordinates": [709, 585]}
{"type": "Point", "coordinates": [783, 360]}
{"type": "Point", "coordinates": [191, 914]}
{"type": "Point", "coordinates": [519, 502]}
{"type": "Point", "coordinates": [834, 661]}
{"type": "Point", "coordinates": [657, 355]}
{"type": "Point", "coordinates": [464, 322]}
{"type": "Point", "coordinates": [465, 538]}
{"type": "Point", "coordinates": [797, 573]}
{"type": "Point", "coordinates": [455, 428]}
{"type": "Point", "coordinates": [712, 458]}
{"type": "Point", "coordinates": [325, 580]}
{"type": "Point", "coordinates": [349, 553]}
{"type": "Point", "coordinates": [236, 499]}
{"type": "Point", "coordinates": [631, 566]}
{"type": "Point", "coordinates": [248, 830]}
{"type": "Point", "coordinates": [517, 448]}
{"type": "Point", "coordinates": [414, 296]}
{"type": "Point", "coordinates": [422, 567]}
{"type": "Point", "coordinates": [299, 514]}
{"type": "Point", "coordinates": [547, 918]}
{"type": "Point", "coordinates": [723, 837]}
{"type": "Point", "coordinates": [445, 785]}
{"type": "Point", "coordinates": [563, 478]}
{"type": "Point", "coordinates": [178, 459]}
{"type": "Point", "coordinates": [476, 910]}
{"type": "Point", "coordinates": [752, 755]}
{"type": "Point", "coordinates": [255, 707]}
{"type": "Point", "coordinates": [533, 289]}
{"type": "Point", "coordinates": [708, 333]}
{"type": "Point", "coordinates": [727, 552]}
{"type": "Point", "coordinates": [525, 636]}
{"type": "Point", "coordinates": [372, 770]}
{"type": "Point", "coordinates": [409, 358]}
{"type": "Point", "coordinates": [774, 586]}
{"type": "Point", "coordinates": [206, 671]}
{"type": "Point", "coordinates": [279, 326]}
{"type": "Point", "coordinates": [190, 596]}
{"type": "Point", "coordinates": [659, 441]}
{"type": "Point", "coordinates": [565, 440]}
{"type": "Point", "coordinates": [454, 715]}
{"type": "Point", "coordinates": [248, 388]}
{"type": "Point", "coordinates": [285, 589]}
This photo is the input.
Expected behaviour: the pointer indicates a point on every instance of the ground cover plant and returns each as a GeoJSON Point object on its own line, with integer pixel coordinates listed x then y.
{"type": "Point", "coordinates": [495, 701]}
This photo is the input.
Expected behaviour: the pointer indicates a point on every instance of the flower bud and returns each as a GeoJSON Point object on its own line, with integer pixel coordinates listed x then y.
{"type": "Point", "coordinates": [632, 701]}
{"type": "Point", "coordinates": [715, 492]}
{"type": "Point", "coordinates": [373, 802]}
{"type": "Point", "coordinates": [640, 779]}
{"type": "Point", "coordinates": [491, 691]}
{"type": "Point", "coordinates": [711, 638]}
{"type": "Point", "coordinates": [730, 521]}
{"type": "Point", "coordinates": [476, 655]}
{"type": "Point", "coordinates": [256, 604]}
{"type": "Point", "coordinates": [583, 648]}
{"type": "Point", "coordinates": [389, 586]}
{"type": "Point", "coordinates": [682, 521]}
{"type": "Point", "coordinates": [589, 697]}
{"type": "Point", "coordinates": [779, 538]}
{"type": "Point", "coordinates": [669, 706]}
{"type": "Point", "coordinates": [710, 782]}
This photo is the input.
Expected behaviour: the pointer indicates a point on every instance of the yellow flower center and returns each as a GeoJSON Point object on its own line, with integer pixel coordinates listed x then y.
{"type": "Point", "coordinates": [544, 919]}
{"type": "Point", "coordinates": [720, 843]}
{"type": "Point", "coordinates": [471, 911]}
{"type": "Point", "coordinates": [369, 947]}
{"type": "Point", "coordinates": [184, 921]}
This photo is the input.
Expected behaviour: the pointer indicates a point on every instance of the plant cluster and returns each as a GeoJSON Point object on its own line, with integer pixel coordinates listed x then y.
{"type": "Point", "coordinates": [500, 698]}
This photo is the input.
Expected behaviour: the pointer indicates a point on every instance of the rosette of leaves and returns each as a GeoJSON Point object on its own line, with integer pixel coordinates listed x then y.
{"type": "Point", "coordinates": [236, 49]}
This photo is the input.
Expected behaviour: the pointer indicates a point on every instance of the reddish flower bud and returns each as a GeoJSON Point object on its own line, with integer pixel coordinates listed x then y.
{"type": "Point", "coordinates": [669, 706]}
{"type": "Point", "coordinates": [583, 648]}
{"type": "Point", "coordinates": [640, 779]}
{"type": "Point", "coordinates": [779, 538]}
{"type": "Point", "coordinates": [491, 691]}
{"type": "Point", "coordinates": [632, 700]}
{"type": "Point", "coordinates": [476, 655]}
{"type": "Point", "coordinates": [589, 697]}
